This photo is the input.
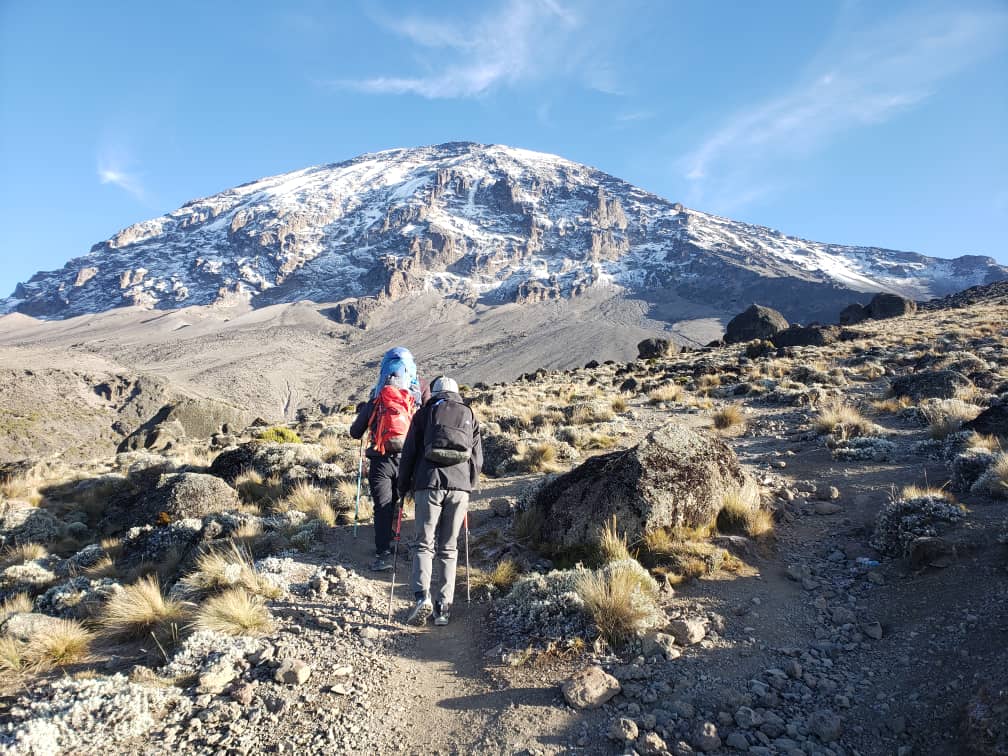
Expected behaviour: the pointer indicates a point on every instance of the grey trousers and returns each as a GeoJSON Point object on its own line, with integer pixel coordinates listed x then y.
{"type": "Point", "coordinates": [439, 516]}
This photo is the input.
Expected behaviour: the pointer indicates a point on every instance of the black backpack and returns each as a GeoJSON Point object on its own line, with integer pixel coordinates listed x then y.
{"type": "Point", "coordinates": [448, 439]}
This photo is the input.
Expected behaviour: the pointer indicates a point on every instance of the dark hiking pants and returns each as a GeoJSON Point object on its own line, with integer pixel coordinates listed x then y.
{"type": "Point", "coordinates": [382, 472]}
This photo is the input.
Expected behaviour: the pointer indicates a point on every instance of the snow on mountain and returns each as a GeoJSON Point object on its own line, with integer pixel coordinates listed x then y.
{"type": "Point", "coordinates": [479, 223]}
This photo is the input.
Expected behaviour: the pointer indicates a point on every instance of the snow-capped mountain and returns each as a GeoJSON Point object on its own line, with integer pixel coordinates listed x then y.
{"type": "Point", "coordinates": [479, 223]}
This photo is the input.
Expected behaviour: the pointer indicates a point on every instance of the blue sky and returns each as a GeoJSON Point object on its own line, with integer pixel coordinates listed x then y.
{"type": "Point", "coordinates": [853, 122]}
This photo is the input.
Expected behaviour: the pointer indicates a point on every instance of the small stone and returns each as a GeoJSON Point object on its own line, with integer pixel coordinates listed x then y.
{"type": "Point", "coordinates": [827, 508]}
{"type": "Point", "coordinates": [651, 744]}
{"type": "Point", "coordinates": [370, 633]}
{"type": "Point", "coordinates": [244, 694]}
{"type": "Point", "coordinates": [340, 689]}
{"type": "Point", "coordinates": [897, 725]}
{"type": "Point", "coordinates": [737, 741]}
{"type": "Point", "coordinates": [344, 671]}
{"type": "Point", "coordinates": [293, 672]}
{"type": "Point", "coordinates": [216, 678]}
{"type": "Point", "coordinates": [876, 577]}
{"type": "Point", "coordinates": [827, 493]}
{"type": "Point", "coordinates": [826, 725]}
{"type": "Point", "coordinates": [501, 507]}
{"type": "Point", "coordinates": [872, 630]}
{"type": "Point", "coordinates": [688, 632]}
{"type": "Point", "coordinates": [590, 688]}
{"type": "Point", "coordinates": [623, 730]}
{"type": "Point", "coordinates": [793, 669]}
{"type": "Point", "coordinates": [706, 738]}
{"type": "Point", "coordinates": [745, 718]}
{"type": "Point", "coordinates": [841, 615]}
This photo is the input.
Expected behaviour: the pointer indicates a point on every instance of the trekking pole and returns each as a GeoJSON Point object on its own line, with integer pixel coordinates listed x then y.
{"type": "Point", "coordinates": [360, 474]}
{"type": "Point", "coordinates": [395, 558]}
{"type": "Point", "coordinates": [465, 524]}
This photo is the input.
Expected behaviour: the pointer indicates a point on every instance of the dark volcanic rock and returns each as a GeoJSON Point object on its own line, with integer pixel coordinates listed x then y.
{"type": "Point", "coordinates": [890, 306]}
{"type": "Point", "coordinates": [853, 313]}
{"type": "Point", "coordinates": [797, 335]}
{"type": "Point", "coordinates": [653, 348]}
{"type": "Point", "coordinates": [675, 476]}
{"type": "Point", "coordinates": [992, 421]}
{"type": "Point", "coordinates": [498, 449]}
{"type": "Point", "coordinates": [185, 495]}
{"type": "Point", "coordinates": [266, 458]}
{"type": "Point", "coordinates": [931, 384]}
{"type": "Point", "coordinates": [757, 322]}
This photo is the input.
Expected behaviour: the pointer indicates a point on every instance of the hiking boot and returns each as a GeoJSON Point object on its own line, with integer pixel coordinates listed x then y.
{"type": "Point", "coordinates": [442, 614]}
{"type": "Point", "coordinates": [382, 563]}
{"type": "Point", "coordinates": [420, 612]}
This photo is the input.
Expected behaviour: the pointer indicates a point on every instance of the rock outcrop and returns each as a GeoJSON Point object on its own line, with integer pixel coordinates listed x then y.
{"type": "Point", "coordinates": [758, 322]}
{"type": "Point", "coordinates": [885, 305]}
{"type": "Point", "coordinates": [931, 384]}
{"type": "Point", "coordinates": [655, 348]}
{"type": "Point", "coordinates": [675, 476]}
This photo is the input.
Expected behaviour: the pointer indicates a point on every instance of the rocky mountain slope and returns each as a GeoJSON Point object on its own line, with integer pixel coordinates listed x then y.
{"type": "Point", "coordinates": [476, 224]}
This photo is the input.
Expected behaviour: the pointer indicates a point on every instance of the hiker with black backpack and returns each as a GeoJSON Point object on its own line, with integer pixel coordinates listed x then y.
{"type": "Point", "coordinates": [386, 417]}
{"type": "Point", "coordinates": [441, 462]}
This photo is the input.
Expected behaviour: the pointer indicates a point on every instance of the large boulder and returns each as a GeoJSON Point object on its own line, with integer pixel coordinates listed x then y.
{"type": "Point", "coordinates": [675, 476]}
{"type": "Point", "coordinates": [266, 458]}
{"type": "Point", "coordinates": [992, 421]}
{"type": "Point", "coordinates": [797, 335]}
{"type": "Point", "coordinates": [885, 305]}
{"type": "Point", "coordinates": [757, 322]}
{"type": "Point", "coordinates": [931, 384]}
{"type": "Point", "coordinates": [185, 495]}
{"type": "Point", "coordinates": [187, 417]}
{"type": "Point", "coordinates": [655, 348]}
{"type": "Point", "coordinates": [498, 450]}
{"type": "Point", "coordinates": [853, 313]}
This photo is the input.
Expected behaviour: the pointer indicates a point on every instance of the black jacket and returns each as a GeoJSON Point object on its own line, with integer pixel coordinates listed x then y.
{"type": "Point", "coordinates": [417, 473]}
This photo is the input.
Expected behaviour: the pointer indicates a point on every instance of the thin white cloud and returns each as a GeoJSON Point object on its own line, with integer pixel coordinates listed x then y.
{"type": "Point", "coordinates": [518, 42]}
{"type": "Point", "coordinates": [112, 170]}
{"type": "Point", "coordinates": [860, 78]}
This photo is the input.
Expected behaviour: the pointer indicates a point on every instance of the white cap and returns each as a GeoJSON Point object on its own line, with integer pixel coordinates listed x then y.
{"type": "Point", "coordinates": [443, 384]}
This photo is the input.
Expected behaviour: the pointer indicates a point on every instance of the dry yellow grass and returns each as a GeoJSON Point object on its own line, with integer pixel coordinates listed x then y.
{"type": "Point", "coordinates": [537, 457]}
{"type": "Point", "coordinates": [528, 525]}
{"type": "Point", "coordinates": [919, 492]}
{"type": "Point", "coordinates": [989, 442]}
{"type": "Point", "coordinates": [22, 488]}
{"type": "Point", "coordinates": [234, 612]}
{"type": "Point", "coordinates": [619, 404]}
{"type": "Point", "coordinates": [998, 476]}
{"type": "Point", "coordinates": [12, 654]}
{"type": "Point", "coordinates": [708, 382]}
{"type": "Point", "coordinates": [220, 569]}
{"type": "Point", "coordinates": [684, 551]}
{"type": "Point", "coordinates": [729, 416]}
{"type": "Point", "coordinates": [892, 404]}
{"type": "Point", "coordinates": [843, 421]}
{"type": "Point", "coordinates": [947, 417]}
{"type": "Point", "coordinates": [105, 567]}
{"type": "Point", "coordinates": [59, 643]}
{"type": "Point", "coordinates": [620, 600]}
{"type": "Point", "coordinates": [667, 394]}
{"type": "Point", "coordinates": [742, 512]}
{"type": "Point", "coordinates": [314, 501]}
{"type": "Point", "coordinates": [612, 546]}
{"type": "Point", "coordinates": [25, 552]}
{"type": "Point", "coordinates": [19, 603]}
{"type": "Point", "coordinates": [140, 609]}
{"type": "Point", "coordinates": [346, 493]}
{"type": "Point", "coordinates": [590, 413]}
{"type": "Point", "coordinates": [501, 577]}
{"type": "Point", "coordinates": [332, 447]}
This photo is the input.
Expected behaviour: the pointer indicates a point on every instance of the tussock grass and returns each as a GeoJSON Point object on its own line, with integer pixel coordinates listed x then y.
{"type": "Point", "coordinates": [346, 493]}
{"type": "Point", "coordinates": [892, 405]}
{"type": "Point", "coordinates": [234, 612]}
{"type": "Point", "coordinates": [22, 488]}
{"type": "Point", "coordinates": [620, 600]}
{"type": "Point", "coordinates": [729, 416]}
{"type": "Point", "coordinates": [708, 382]}
{"type": "Point", "coordinates": [19, 603]}
{"type": "Point", "coordinates": [989, 442]}
{"type": "Point", "coordinates": [742, 512]}
{"type": "Point", "coordinates": [667, 394]}
{"type": "Point", "coordinates": [278, 434]}
{"type": "Point", "coordinates": [222, 569]}
{"type": "Point", "coordinates": [920, 492]}
{"type": "Point", "coordinates": [843, 421]}
{"type": "Point", "coordinates": [619, 404]}
{"type": "Point", "coordinates": [332, 447]}
{"type": "Point", "coordinates": [255, 490]}
{"type": "Point", "coordinates": [141, 609]}
{"type": "Point", "coordinates": [500, 578]}
{"type": "Point", "coordinates": [312, 500]}
{"type": "Point", "coordinates": [25, 552]}
{"type": "Point", "coordinates": [537, 457]}
{"type": "Point", "coordinates": [612, 546]}
{"type": "Point", "coordinates": [13, 654]}
{"type": "Point", "coordinates": [105, 567]}
{"type": "Point", "coordinates": [683, 551]}
{"type": "Point", "coordinates": [528, 525]}
{"type": "Point", "coordinates": [591, 413]}
{"type": "Point", "coordinates": [947, 417]}
{"type": "Point", "coordinates": [997, 476]}
{"type": "Point", "coordinates": [58, 644]}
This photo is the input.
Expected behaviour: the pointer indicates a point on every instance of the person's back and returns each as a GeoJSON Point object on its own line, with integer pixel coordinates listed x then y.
{"type": "Point", "coordinates": [441, 462]}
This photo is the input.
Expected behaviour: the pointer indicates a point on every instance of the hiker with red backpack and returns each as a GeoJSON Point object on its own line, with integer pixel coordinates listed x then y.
{"type": "Point", "coordinates": [441, 462]}
{"type": "Point", "coordinates": [386, 417]}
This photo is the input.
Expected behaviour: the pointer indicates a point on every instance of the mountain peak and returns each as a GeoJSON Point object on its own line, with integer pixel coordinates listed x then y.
{"type": "Point", "coordinates": [475, 222]}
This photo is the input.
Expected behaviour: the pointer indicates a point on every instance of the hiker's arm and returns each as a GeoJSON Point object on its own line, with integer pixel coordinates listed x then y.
{"type": "Point", "coordinates": [359, 426]}
{"type": "Point", "coordinates": [477, 452]}
{"type": "Point", "coordinates": [414, 436]}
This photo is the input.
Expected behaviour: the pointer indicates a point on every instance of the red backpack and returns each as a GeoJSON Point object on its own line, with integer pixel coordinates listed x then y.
{"type": "Point", "coordinates": [390, 419]}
